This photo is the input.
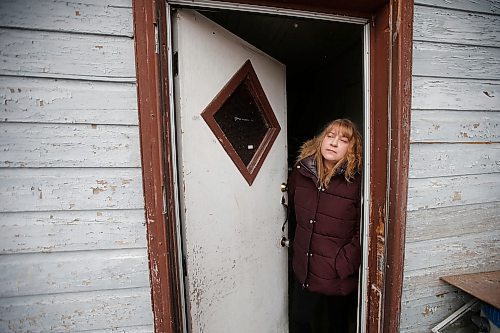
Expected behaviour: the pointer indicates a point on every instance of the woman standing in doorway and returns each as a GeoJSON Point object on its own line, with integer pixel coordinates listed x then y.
{"type": "Point", "coordinates": [324, 189]}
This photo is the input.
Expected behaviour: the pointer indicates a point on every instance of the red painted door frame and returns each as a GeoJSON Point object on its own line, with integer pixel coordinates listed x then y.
{"type": "Point", "coordinates": [390, 86]}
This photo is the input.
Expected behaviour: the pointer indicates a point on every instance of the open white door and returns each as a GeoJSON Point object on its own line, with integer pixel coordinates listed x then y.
{"type": "Point", "coordinates": [230, 200]}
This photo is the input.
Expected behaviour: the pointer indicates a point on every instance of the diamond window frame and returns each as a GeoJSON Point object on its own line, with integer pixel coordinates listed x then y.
{"type": "Point", "coordinates": [245, 75]}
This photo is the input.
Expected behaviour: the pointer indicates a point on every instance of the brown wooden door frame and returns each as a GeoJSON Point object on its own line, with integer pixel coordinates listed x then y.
{"type": "Point", "coordinates": [390, 85]}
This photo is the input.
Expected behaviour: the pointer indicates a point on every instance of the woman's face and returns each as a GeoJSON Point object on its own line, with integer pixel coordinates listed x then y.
{"type": "Point", "coordinates": [334, 147]}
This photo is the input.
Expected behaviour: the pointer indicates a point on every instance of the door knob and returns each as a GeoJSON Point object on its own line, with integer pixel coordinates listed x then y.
{"type": "Point", "coordinates": [285, 242]}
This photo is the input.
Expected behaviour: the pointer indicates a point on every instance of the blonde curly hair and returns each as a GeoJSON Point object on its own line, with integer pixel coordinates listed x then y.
{"type": "Point", "coordinates": [352, 161]}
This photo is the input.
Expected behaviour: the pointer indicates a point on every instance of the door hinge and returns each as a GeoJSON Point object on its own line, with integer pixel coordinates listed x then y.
{"type": "Point", "coordinates": [157, 42]}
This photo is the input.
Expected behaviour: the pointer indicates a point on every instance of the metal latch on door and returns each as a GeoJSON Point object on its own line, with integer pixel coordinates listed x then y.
{"type": "Point", "coordinates": [285, 242]}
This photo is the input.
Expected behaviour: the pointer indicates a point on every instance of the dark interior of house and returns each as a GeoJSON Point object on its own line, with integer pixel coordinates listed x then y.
{"type": "Point", "coordinates": [324, 69]}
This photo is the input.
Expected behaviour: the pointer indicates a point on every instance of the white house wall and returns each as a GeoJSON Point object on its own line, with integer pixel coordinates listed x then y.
{"type": "Point", "coordinates": [73, 253]}
{"type": "Point", "coordinates": [453, 221]}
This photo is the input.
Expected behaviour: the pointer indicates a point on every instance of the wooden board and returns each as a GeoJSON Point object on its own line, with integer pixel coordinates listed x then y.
{"type": "Point", "coordinates": [484, 286]}
{"type": "Point", "coordinates": [72, 312]}
{"type": "Point", "coordinates": [79, 271]}
{"type": "Point", "coordinates": [479, 6]}
{"type": "Point", "coordinates": [64, 145]}
{"type": "Point", "coordinates": [452, 254]}
{"type": "Point", "coordinates": [452, 221]}
{"type": "Point", "coordinates": [456, 61]}
{"type": "Point", "coordinates": [66, 55]}
{"type": "Point", "coordinates": [447, 159]}
{"type": "Point", "coordinates": [67, 101]}
{"type": "Point", "coordinates": [455, 126]}
{"type": "Point", "coordinates": [70, 189]}
{"type": "Point", "coordinates": [110, 17]}
{"type": "Point", "coordinates": [436, 192]}
{"type": "Point", "coordinates": [56, 231]}
{"type": "Point", "coordinates": [455, 94]}
{"type": "Point", "coordinates": [457, 27]}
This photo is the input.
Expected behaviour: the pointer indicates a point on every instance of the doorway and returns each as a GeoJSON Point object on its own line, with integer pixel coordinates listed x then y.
{"type": "Point", "coordinates": [388, 44]}
{"type": "Point", "coordinates": [324, 70]}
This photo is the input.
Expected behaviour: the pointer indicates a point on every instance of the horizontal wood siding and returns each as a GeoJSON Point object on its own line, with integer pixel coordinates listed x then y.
{"type": "Point", "coordinates": [73, 252]}
{"type": "Point", "coordinates": [453, 218]}
{"type": "Point", "coordinates": [66, 55]}
{"type": "Point", "coordinates": [61, 145]}
{"type": "Point", "coordinates": [42, 100]}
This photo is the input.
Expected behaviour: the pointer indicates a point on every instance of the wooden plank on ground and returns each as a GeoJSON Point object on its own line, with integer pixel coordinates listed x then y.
{"type": "Point", "coordinates": [63, 55]}
{"type": "Point", "coordinates": [457, 27]}
{"type": "Point", "coordinates": [72, 312]}
{"type": "Point", "coordinates": [69, 145]}
{"type": "Point", "coordinates": [70, 189]}
{"type": "Point", "coordinates": [484, 285]}
{"type": "Point", "coordinates": [55, 231]}
{"type": "Point", "coordinates": [455, 94]}
{"type": "Point", "coordinates": [67, 101]}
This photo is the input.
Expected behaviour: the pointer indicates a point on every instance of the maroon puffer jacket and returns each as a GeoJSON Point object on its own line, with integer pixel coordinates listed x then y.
{"type": "Point", "coordinates": [326, 247]}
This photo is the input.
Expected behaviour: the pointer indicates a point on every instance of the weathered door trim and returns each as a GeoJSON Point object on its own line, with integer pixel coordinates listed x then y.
{"type": "Point", "coordinates": [150, 36]}
{"type": "Point", "coordinates": [390, 66]}
{"type": "Point", "coordinates": [400, 112]}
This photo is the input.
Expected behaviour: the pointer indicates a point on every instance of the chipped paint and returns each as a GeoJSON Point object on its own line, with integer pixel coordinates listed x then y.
{"type": "Point", "coordinates": [428, 310]}
{"type": "Point", "coordinates": [457, 196]}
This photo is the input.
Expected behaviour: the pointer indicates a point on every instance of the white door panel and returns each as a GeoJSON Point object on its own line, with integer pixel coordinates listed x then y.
{"type": "Point", "coordinates": [236, 269]}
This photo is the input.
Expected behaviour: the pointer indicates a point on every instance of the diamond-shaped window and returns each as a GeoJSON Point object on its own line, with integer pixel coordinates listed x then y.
{"type": "Point", "coordinates": [243, 121]}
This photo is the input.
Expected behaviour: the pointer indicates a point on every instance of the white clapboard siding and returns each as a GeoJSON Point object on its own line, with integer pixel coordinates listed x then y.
{"type": "Point", "coordinates": [66, 55]}
{"type": "Point", "coordinates": [40, 100]}
{"type": "Point", "coordinates": [427, 300]}
{"type": "Point", "coordinates": [69, 312]}
{"type": "Point", "coordinates": [70, 189]}
{"type": "Point", "coordinates": [111, 17]}
{"type": "Point", "coordinates": [128, 329]}
{"type": "Point", "coordinates": [452, 221]}
{"type": "Point", "coordinates": [54, 231]}
{"type": "Point", "coordinates": [455, 126]}
{"type": "Point", "coordinates": [480, 6]}
{"type": "Point", "coordinates": [426, 314]}
{"type": "Point", "coordinates": [433, 160]}
{"type": "Point", "coordinates": [457, 27]}
{"type": "Point", "coordinates": [439, 294]}
{"type": "Point", "coordinates": [456, 61]}
{"type": "Point", "coordinates": [453, 209]}
{"type": "Point", "coordinates": [443, 254]}
{"type": "Point", "coordinates": [438, 192]}
{"type": "Point", "coordinates": [68, 145]}
{"type": "Point", "coordinates": [455, 94]}
{"type": "Point", "coordinates": [420, 287]}
{"type": "Point", "coordinates": [73, 238]}
{"type": "Point", "coordinates": [79, 271]}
